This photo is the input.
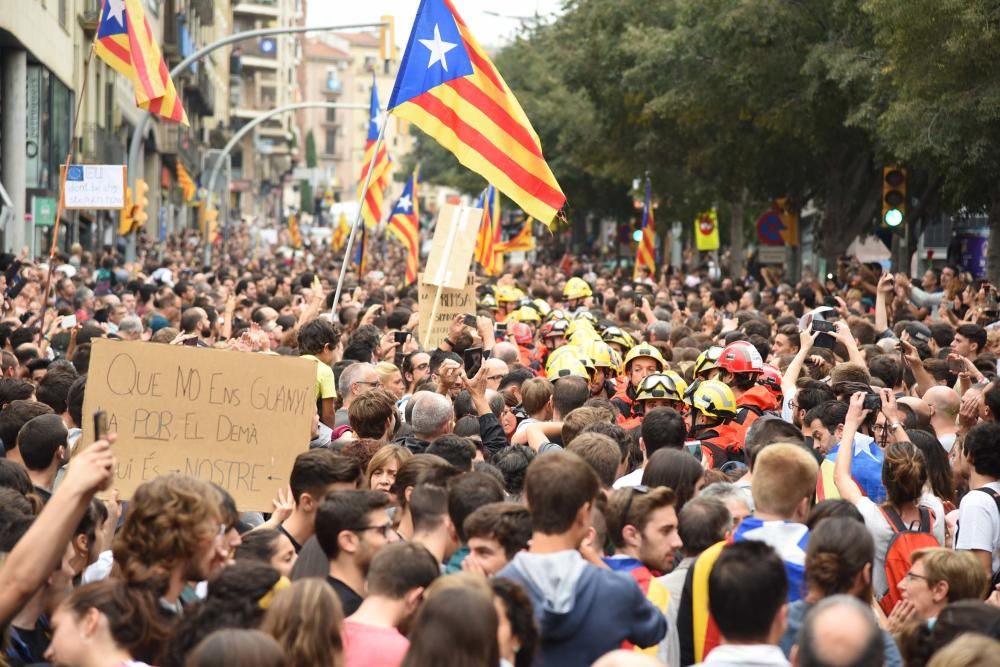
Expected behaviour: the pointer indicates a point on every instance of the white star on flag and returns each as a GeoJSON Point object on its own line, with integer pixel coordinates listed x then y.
{"type": "Point", "coordinates": [378, 119]}
{"type": "Point", "coordinates": [116, 9]}
{"type": "Point", "coordinates": [405, 203]}
{"type": "Point", "coordinates": [438, 49]}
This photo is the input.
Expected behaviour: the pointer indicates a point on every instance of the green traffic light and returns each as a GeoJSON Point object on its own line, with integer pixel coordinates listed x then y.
{"type": "Point", "coordinates": [893, 217]}
{"type": "Point", "coordinates": [637, 236]}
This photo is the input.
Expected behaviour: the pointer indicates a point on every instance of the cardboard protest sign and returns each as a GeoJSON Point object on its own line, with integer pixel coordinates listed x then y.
{"type": "Point", "coordinates": [94, 186]}
{"type": "Point", "coordinates": [234, 418]}
{"type": "Point", "coordinates": [452, 246]}
{"type": "Point", "coordinates": [453, 302]}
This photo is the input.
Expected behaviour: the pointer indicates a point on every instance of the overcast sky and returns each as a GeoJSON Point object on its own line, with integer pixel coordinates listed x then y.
{"type": "Point", "coordinates": [489, 29]}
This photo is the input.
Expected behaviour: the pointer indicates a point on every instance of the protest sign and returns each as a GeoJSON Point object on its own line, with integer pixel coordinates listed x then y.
{"type": "Point", "coordinates": [94, 186]}
{"type": "Point", "coordinates": [234, 418]}
{"type": "Point", "coordinates": [452, 246]}
{"type": "Point", "coordinates": [452, 302]}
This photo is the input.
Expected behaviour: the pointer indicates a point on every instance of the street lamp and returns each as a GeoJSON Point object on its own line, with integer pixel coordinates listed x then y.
{"type": "Point", "coordinates": [144, 118]}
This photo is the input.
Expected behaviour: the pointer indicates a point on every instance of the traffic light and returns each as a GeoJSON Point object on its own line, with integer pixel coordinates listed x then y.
{"type": "Point", "coordinates": [893, 196]}
{"type": "Point", "coordinates": [125, 220]}
{"type": "Point", "coordinates": [139, 215]}
{"type": "Point", "coordinates": [210, 222]}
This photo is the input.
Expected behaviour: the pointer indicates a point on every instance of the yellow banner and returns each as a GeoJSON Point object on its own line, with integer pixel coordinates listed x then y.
{"type": "Point", "coordinates": [706, 231]}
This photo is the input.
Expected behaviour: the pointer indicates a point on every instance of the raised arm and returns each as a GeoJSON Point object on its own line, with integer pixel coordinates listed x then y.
{"type": "Point", "coordinates": [845, 484]}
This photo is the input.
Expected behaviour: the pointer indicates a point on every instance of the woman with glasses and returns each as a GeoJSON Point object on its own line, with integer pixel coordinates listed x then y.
{"type": "Point", "coordinates": [937, 578]}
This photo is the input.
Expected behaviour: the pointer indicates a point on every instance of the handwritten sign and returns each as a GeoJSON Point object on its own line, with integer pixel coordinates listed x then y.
{"type": "Point", "coordinates": [95, 186]}
{"type": "Point", "coordinates": [234, 418]}
{"type": "Point", "coordinates": [453, 302]}
{"type": "Point", "coordinates": [452, 246]}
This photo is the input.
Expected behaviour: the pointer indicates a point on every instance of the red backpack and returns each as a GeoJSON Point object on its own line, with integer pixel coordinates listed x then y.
{"type": "Point", "coordinates": [898, 556]}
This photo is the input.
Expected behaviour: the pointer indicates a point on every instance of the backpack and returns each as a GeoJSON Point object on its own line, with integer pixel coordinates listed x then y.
{"type": "Point", "coordinates": [903, 543]}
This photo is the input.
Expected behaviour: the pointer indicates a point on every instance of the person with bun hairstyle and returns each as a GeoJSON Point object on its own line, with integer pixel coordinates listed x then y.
{"type": "Point", "coordinates": [838, 561]}
{"type": "Point", "coordinates": [904, 473]}
{"type": "Point", "coordinates": [107, 623]}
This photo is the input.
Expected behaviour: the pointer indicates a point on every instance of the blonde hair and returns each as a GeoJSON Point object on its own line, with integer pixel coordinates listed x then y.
{"type": "Point", "coordinates": [305, 619]}
{"type": "Point", "coordinates": [968, 650]}
{"type": "Point", "coordinates": [463, 580]}
{"type": "Point", "coordinates": [385, 454]}
{"type": "Point", "coordinates": [783, 475]}
{"type": "Point", "coordinates": [384, 370]}
{"type": "Point", "coordinates": [959, 569]}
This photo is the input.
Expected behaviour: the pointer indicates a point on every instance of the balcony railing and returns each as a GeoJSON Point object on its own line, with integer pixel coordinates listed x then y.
{"type": "Point", "coordinates": [99, 145]}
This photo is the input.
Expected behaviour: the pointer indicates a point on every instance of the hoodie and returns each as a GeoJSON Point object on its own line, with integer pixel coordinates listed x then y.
{"type": "Point", "coordinates": [583, 611]}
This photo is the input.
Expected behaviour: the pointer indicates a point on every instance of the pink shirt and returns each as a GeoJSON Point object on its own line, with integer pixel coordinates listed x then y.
{"type": "Point", "coordinates": [372, 646]}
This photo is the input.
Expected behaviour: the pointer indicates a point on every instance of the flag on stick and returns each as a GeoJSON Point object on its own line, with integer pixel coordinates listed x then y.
{"type": "Point", "coordinates": [187, 183]}
{"type": "Point", "coordinates": [645, 253]}
{"type": "Point", "coordinates": [340, 232]}
{"type": "Point", "coordinates": [523, 241]}
{"type": "Point", "coordinates": [371, 203]}
{"type": "Point", "coordinates": [486, 240]}
{"type": "Point", "coordinates": [404, 224]}
{"type": "Point", "coordinates": [125, 42]}
{"type": "Point", "coordinates": [361, 253]}
{"type": "Point", "coordinates": [448, 87]}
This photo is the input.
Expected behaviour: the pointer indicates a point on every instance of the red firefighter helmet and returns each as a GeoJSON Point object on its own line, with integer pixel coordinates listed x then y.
{"type": "Point", "coordinates": [740, 357]}
{"type": "Point", "coordinates": [521, 333]}
{"type": "Point", "coordinates": [770, 378]}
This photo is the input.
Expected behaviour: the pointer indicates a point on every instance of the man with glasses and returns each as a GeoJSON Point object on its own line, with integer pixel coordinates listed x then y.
{"type": "Point", "coordinates": [351, 527]}
{"type": "Point", "coordinates": [496, 370]}
{"type": "Point", "coordinates": [355, 380]}
{"type": "Point", "coordinates": [642, 524]}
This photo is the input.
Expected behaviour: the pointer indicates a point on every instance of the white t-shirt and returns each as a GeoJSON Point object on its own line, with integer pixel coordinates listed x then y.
{"type": "Point", "coordinates": [882, 533]}
{"type": "Point", "coordinates": [979, 523]}
{"type": "Point", "coordinates": [634, 478]}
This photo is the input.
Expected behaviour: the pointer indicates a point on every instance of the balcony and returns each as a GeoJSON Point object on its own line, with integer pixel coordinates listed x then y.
{"type": "Point", "coordinates": [259, 54]}
{"type": "Point", "coordinates": [99, 145]}
{"type": "Point", "coordinates": [262, 8]}
{"type": "Point", "coordinates": [200, 93]}
{"type": "Point", "coordinates": [89, 16]}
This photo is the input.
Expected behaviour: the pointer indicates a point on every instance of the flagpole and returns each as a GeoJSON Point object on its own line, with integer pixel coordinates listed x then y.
{"type": "Point", "coordinates": [358, 217]}
{"type": "Point", "coordinates": [62, 183]}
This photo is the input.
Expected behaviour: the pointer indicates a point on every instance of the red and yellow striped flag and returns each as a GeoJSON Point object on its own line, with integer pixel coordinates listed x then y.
{"type": "Point", "coordinates": [404, 224]}
{"type": "Point", "coordinates": [371, 203]}
{"type": "Point", "coordinates": [645, 253]}
{"type": "Point", "coordinates": [489, 228]}
{"type": "Point", "coordinates": [125, 42]}
{"type": "Point", "coordinates": [448, 87]}
{"type": "Point", "coordinates": [523, 241]}
{"type": "Point", "coordinates": [187, 183]}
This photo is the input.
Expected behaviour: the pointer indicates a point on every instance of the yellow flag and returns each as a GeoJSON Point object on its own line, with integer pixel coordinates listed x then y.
{"type": "Point", "coordinates": [706, 231]}
{"type": "Point", "coordinates": [340, 233]}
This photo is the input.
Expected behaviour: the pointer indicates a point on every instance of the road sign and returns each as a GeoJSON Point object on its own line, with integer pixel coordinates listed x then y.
{"type": "Point", "coordinates": [43, 211]}
{"type": "Point", "coordinates": [770, 228]}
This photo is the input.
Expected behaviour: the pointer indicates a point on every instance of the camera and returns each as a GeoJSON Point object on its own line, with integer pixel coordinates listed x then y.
{"type": "Point", "coordinates": [872, 402]}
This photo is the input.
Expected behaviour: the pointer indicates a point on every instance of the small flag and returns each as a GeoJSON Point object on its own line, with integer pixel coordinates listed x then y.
{"type": "Point", "coordinates": [448, 87]}
{"type": "Point", "coordinates": [404, 224]}
{"type": "Point", "coordinates": [125, 42]}
{"type": "Point", "coordinates": [486, 240]}
{"type": "Point", "coordinates": [187, 183]}
{"type": "Point", "coordinates": [361, 252]}
{"type": "Point", "coordinates": [340, 232]}
{"type": "Point", "coordinates": [293, 232]}
{"type": "Point", "coordinates": [523, 241]}
{"type": "Point", "coordinates": [706, 231]}
{"type": "Point", "coordinates": [371, 205]}
{"type": "Point", "coordinates": [645, 253]}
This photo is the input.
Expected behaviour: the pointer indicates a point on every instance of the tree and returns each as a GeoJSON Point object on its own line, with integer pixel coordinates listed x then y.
{"type": "Point", "coordinates": [308, 202]}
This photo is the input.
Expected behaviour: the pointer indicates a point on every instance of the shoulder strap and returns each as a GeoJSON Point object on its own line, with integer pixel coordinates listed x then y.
{"type": "Point", "coordinates": [992, 493]}
{"type": "Point", "coordinates": [893, 518]}
{"type": "Point", "coordinates": [925, 520]}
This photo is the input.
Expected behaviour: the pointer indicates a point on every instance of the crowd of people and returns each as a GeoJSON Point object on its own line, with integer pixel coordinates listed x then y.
{"type": "Point", "coordinates": [586, 470]}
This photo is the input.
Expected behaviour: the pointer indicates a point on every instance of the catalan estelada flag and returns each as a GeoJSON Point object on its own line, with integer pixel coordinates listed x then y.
{"type": "Point", "coordinates": [523, 241]}
{"type": "Point", "coordinates": [404, 224]}
{"type": "Point", "coordinates": [489, 230]}
{"type": "Point", "coordinates": [371, 204]}
{"type": "Point", "coordinates": [645, 253]}
{"type": "Point", "coordinates": [125, 42]}
{"type": "Point", "coordinates": [448, 87]}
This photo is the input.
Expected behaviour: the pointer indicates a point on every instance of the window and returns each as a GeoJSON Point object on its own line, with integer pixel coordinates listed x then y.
{"type": "Point", "coordinates": [331, 141]}
{"type": "Point", "coordinates": [331, 115]}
